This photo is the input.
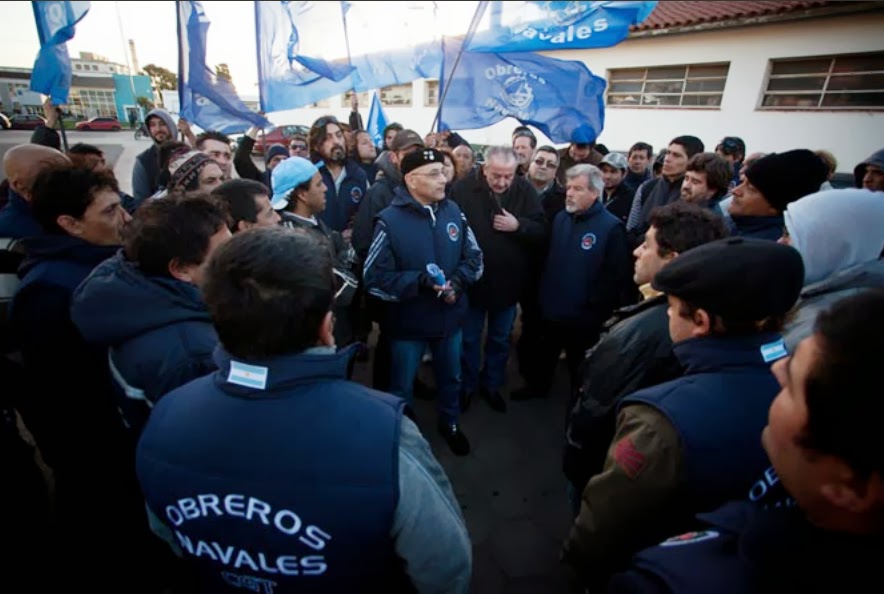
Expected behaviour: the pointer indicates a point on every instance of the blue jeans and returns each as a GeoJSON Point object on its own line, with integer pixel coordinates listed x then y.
{"type": "Point", "coordinates": [446, 367]}
{"type": "Point", "coordinates": [497, 347]}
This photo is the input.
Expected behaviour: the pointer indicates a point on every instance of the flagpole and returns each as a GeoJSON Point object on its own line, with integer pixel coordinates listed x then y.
{"type": "Point", "coordinates": [347, 43]}
{"type": "Point", "coordinates": [480, 10]}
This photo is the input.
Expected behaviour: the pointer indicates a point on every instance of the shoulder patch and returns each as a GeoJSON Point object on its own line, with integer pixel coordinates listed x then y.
{"type": "Point", "coordinates": [690, 538]}
{"type": "Point", "coordinates": [628, 458]}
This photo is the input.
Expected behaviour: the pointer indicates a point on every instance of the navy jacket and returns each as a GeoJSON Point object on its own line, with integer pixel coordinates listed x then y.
{"type": "Point", "coordinates": [407, 237]}
{"type": "Point", "coordinates": [17, 219]}
{"type": "Point", "coordinates": [58, 363]}
{"type": "Point", "coordinates": [588, 268]}
{"type": "Point", "coordinates": [743, 549]}
{"type": "Point", "coordinates": [340, 207]}
{"type": "Point", "coordinates": [158, 330]}
{"type": "Point", "coordinates": [770, 228]}
{"type": "Point", "coordinates": [719, 408]}
{"type": "Point", "coordinates": [278, 471]}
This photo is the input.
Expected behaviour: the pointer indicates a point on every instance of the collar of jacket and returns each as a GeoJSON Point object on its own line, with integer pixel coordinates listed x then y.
{"type": "Point", "coordinates": [351, 166]}
{"type": "Point", "coordinates": [632, 310]}
{"type": "Point", "coordinates": [401, 197]}
{"type": "Point", "coordinates": [842, 277]}
{"type": "Point", "coordinates": [648, 292]}
{"type": "Point", "coordinates": [590, 212]}
{"type": "Point", "coordinates": [63, 247]}
{"type": "Point", "coordinates": [754, 224]}
{"type": "Point", "coordinates": [286, 370]}
{"type": "Point", "coordinates": [17, 201]}
{"type": "Point", "coordinates": [716, 353]}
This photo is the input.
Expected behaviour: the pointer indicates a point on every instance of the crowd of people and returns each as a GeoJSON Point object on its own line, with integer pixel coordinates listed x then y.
{"type": "Point", "coordinates": [181, 357]}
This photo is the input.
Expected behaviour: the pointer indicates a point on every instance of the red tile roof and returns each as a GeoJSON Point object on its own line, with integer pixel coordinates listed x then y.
{"type": "Point", "coordinates": [670, 14]}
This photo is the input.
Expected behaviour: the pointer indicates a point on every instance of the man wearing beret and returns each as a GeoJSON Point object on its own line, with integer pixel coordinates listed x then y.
{"type": "Point", "coordinates": [768, 186]}
{"type": "Point", "coordinates": [691, 444]}
{"type": "Point", "coordinates": [419, 228]}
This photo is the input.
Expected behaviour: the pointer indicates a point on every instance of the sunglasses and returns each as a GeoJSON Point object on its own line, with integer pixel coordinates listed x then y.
{"type": "Point", "coordinates": [547, 164]}
{"type": "Point", "coordinates": [298, 147]}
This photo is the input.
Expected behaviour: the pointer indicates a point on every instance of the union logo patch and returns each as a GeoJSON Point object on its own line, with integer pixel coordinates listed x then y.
{"type": "Point", "coordinates": [356, 195]}
{"type": "Point", "coordinates": [453, 231]}
{"type": "Point", "coordinates": [689, 538]}
{"type": "Point", "coordinates": [587, 241]}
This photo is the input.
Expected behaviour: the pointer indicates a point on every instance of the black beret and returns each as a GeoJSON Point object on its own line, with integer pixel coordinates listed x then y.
{"type": "Point", "coordinates": [737, 278]}
{"type": "Point", "coordinates": [416, 159]}
{"type": "Point", "coordinates": [785, 177]}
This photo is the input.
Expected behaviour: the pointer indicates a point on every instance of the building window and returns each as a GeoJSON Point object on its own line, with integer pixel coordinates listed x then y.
{"type": "Point", "coordinates": [91, 103]}
{"type": "Point", "coordinates": [692, 86]}
{"type": "Point", "coordinates": [854, 81]}
{"type": "Point", "coordinates": [364, 99]}
{"type": "Point", "coordinates": [431, 93]}
{"type": "Point", "coordinates": [78, 66]}
{"type": "Point", "coordinates": [396, 95]}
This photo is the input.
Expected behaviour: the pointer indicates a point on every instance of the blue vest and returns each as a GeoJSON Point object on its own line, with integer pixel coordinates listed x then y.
{"type": "Point", "coordinates": [417, 239]}
{"type": "Point", "coordinates": [340, 207]}
{"type": "Point", "coordinates": [719, 408]}
{"type": "Point", "coordinates": [294, 483]}
{"type": "Point", "coordinates": [573, 272]}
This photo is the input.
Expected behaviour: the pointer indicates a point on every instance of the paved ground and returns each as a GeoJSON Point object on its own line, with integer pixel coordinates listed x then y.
{"type": "Point", "coordinates": [511, 487]}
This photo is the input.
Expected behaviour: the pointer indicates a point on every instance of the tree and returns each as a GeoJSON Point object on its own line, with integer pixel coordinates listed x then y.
{"type": "Point", "coordinates": [223, 71]}
{"type": "Point", "coordinates": [145, 103]}
{"type": "Point", "coordinates": [161, 79]}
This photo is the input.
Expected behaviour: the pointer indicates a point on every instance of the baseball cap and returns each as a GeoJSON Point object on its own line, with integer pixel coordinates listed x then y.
{"type": "Point", "coordinates": [615, 160]}
{"type": "Point", "coordinates": [287, 176]}
{"type": "Point", "coordinates": [405, 139]}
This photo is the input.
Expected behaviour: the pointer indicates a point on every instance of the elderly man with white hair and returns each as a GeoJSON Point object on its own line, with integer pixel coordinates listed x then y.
{"type": "Point", "coordinates": [587, 274]}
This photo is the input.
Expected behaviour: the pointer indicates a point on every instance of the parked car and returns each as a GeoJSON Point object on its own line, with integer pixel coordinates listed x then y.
{"type": "Point", "coordinates": [26, 121]}
{"type": "Point", "coordinates": [99, 124]}
{"type": "Point", "coordinates": [5, 124]}
{"type": "Point", "coordinates": [278, 135]}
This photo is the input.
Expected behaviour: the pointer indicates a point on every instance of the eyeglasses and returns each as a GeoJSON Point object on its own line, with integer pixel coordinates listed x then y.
{"type": "Point", "coordinates": [547, 164]}
{"type": "Point", "coordinates": [436, 173]}
{"type": "Point", "coordinates": [298, 147]}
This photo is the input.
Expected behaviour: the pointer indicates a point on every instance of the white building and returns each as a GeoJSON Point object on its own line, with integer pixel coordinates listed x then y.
{"type": "Point", "coordinates": [779, 75]}
{"type": "Point", "coordinates": [91, 64]}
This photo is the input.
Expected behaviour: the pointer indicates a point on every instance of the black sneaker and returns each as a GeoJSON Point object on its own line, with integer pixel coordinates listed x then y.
{"type": "Point", "coordinates": [466, 399]}
{"type": "Point", "coordinates": [494, 400]}
{"type": "Point", "coordinates": [422, 391]}
{"type": "Point", "coordinates": [455, 438]}
{"type": "Point", "coordinates": [524, 393]}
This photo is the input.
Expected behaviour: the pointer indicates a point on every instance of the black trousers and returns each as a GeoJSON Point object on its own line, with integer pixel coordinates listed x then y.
{"type": "Point", "coordinates": [555, 336]}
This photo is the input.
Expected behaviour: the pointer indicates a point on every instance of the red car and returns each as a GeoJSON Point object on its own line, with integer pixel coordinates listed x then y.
{"type": "Point", "coordinates": [99, 124]}
{"type": "Point", "coordinates": [279, 135]}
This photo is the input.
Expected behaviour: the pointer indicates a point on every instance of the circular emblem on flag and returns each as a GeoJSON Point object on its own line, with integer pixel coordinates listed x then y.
{"type": "Point", "coordinates": [587, 241]}
{"type": "Point", "coordinates": [356, 195]}
{"type": "Point", "coordinates": [689, 538]}
{"type": "Point", "coordinates": [453, 231]}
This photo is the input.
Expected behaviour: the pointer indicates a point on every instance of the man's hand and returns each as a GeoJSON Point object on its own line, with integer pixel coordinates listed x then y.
{"type": "Point", "coordinates": [506, 222]}
{"type": "Point", "coordinates": [186, 132]}
{"type": "Point", "coordinates": [354, 102]}
{"type": "Point", "coordinates": [50, 112]}
{"type": "Point", "coordinates": [347, 233]}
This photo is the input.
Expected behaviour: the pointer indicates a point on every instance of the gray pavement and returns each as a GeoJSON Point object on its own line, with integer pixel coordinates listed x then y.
{"type": "Point", "coordinates": [510, 487]}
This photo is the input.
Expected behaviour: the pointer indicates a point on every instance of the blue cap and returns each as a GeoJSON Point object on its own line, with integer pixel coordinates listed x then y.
{"type": "Point", "coordinates": [287, 176]}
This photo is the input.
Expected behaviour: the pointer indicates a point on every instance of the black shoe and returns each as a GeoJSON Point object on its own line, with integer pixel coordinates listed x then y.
{"type": "Point", "coordinates": [455, 438]}
{"type": "Point", "coordinates": [466, 399]}
{"type": "Point", "coordinates": [524, 393]}
{"type": "Point", "coordinates": [422, 391]}
{"type": "Point", "coordinates": [494, 400]}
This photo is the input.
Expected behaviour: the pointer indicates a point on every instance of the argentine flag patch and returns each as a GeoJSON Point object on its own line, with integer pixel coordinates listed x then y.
{"type": "Point", "coordinates": [250, 376]}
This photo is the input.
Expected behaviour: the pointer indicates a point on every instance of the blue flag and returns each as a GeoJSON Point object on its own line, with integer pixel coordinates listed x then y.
{"type": "Point", "coordinates": [377, 121]}
{"type": "Point", "coordinates": [535, 26]}
{"type": "Point", "coordinates": [302, 51]}
{"type": "Point", "coordinates": [561, 98]}
{"type": "Point", "coordinates": [55, 27]}
{"type": "Point", "coordinates": [208, 101]}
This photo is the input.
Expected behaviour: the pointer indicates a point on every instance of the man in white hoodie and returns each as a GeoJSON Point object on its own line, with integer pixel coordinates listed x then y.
{"type": "Point", "coordinates": [840, 235]}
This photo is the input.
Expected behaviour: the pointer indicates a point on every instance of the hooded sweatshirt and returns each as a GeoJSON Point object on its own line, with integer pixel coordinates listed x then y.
{"type": "Point", "coordinates": [839, 234]}
{"type": "Point", "coordinates": [146, 172]}
{"type": "Point", "coordinates": [836, 229]}
{"type": "Point", "coordinates": [877, 159]}
{"type": "Point", "coordinates": [158, 328]}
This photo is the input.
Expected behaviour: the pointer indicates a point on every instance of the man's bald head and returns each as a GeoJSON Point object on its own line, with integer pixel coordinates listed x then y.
{"type": "Point", "coordinates": [23, 163]}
